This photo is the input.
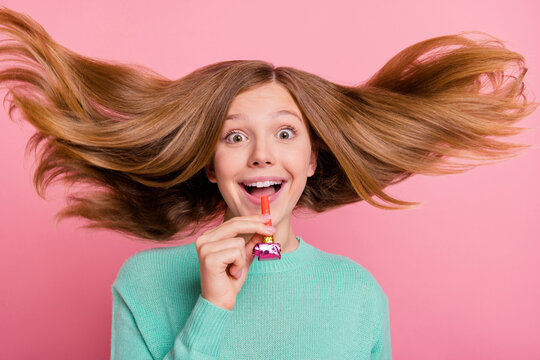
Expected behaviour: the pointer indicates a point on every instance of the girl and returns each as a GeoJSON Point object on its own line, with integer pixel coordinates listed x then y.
{"type": "Point", "coordinates": [166, 158]}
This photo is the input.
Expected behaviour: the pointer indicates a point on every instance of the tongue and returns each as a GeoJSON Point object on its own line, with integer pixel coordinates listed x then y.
{"type": "Point", "coordinates": [263, 191]}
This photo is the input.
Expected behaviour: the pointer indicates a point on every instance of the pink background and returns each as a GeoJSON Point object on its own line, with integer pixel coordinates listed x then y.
{"type": "Point", "coordinates": [461, 272]}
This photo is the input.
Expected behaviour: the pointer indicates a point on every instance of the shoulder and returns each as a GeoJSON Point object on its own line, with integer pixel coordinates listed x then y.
{"type": "Point", "coordinates": [352, 275]}
{"type": "Point", "coordinates": [157, 264]}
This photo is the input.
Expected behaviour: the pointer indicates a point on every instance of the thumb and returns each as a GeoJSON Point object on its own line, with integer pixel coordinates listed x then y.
{"type": "Point", "coordinates": [255, 239]}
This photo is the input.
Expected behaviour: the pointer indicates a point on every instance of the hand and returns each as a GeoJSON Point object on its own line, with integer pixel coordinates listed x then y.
{"type": "Point", "coordinates": [222, 255]}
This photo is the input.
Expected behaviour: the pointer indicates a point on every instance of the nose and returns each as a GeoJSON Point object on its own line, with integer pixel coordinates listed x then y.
{"type": "Point", "coordinates": [262, 154]}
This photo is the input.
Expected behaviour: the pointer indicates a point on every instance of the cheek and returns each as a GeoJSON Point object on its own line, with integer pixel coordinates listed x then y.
{"type": "Point", "coordinates": [300, 160]}
{"type": "Point", "coordinates": [225, 165]}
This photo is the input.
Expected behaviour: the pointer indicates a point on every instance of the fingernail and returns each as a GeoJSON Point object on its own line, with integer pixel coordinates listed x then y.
{"type": "Point", "coordinates": [266, 216]}
{"type": "Point", "coordinates": [271, 229]}
{"type": "Point", "coordinates": [239, 274]}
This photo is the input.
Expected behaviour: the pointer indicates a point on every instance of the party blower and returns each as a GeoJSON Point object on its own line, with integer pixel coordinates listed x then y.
{"type": "Point", "coordinates": [268, 249]}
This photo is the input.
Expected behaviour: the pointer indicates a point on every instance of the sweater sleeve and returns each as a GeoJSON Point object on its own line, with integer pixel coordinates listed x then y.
{"type": "Point", "coordinates": [200, 338]}
{"type": "Point", "coordinates": [381, 349]}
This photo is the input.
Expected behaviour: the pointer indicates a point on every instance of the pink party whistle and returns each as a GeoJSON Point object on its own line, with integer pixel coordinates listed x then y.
{"type": "Point", "coordinates": [268, 249]}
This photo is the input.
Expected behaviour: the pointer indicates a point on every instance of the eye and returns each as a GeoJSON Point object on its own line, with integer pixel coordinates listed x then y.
{"type": "Point", "coordinates": [290, 129]}
{"type": "Point", "coordinates": [233, 132]}
{"type": "Point", "coordinates": [238, 135]}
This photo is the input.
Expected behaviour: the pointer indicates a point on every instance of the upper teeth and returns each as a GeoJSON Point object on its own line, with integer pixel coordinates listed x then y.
{"type": "Point", "coordinates": [264, 184]}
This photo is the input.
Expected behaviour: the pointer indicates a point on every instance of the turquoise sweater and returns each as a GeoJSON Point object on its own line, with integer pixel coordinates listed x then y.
{"type": "Point", "coordinates": [308, 305]}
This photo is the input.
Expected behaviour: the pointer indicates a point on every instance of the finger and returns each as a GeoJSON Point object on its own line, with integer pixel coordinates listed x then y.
{"type": "Point", "coordinates": [255, 239]}
{"type": "Point", "coordinates": [235, 228]}
{"type": "Point", "coordinates": [236, 265]}
{"type": "Point", "coordinates": [234, 223]}
{"type": "Point", "coordinates": [221, 244]}
{"type": "Point", "coordinates": [222, 259]}
{"type": "Point", "coordinates": [247, 255]}
{"type": "Point", "coordinates": [238, 268]}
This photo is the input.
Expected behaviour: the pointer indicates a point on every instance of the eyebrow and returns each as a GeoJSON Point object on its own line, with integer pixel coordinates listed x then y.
{"type": "Point", "coordinates": [272, 115]}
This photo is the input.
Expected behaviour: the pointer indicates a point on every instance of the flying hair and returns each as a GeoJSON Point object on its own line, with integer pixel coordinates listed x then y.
{"type": "Point", "coordinates": [139, 142]}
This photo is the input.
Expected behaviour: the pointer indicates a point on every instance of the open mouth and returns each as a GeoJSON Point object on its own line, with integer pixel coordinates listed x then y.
{"type": "Point", "coordinates": [254, 193]}
{"type": "Point", "coordinates": [251, 189]}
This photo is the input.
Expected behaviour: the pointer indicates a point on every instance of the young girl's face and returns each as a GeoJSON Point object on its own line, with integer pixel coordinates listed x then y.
{"type": "Point", "coordinates": [257, 141]}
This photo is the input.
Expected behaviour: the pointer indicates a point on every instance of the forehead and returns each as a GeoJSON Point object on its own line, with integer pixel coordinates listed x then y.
{"type": "Point", "coordinates": [275, 114]}
{"type": "Point", "coordinates": [265, 101]}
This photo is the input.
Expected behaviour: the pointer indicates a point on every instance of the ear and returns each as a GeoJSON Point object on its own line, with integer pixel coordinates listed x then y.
{"type": "Point", "coordinates": [210, 172]}
{"type": "Point", "coordinates": [313, 161]}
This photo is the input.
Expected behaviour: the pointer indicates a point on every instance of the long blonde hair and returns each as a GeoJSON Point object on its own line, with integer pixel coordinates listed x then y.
{"type": "Point", "coordinates": [141, 141]}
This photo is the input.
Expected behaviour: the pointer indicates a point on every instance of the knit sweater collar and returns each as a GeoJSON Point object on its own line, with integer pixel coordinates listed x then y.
{"type": "Point", "coordinates": [303, 254]}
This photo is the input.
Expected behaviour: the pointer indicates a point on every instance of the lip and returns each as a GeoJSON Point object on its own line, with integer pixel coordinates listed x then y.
{"type": "Point", "coordinates": [257, 200]}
